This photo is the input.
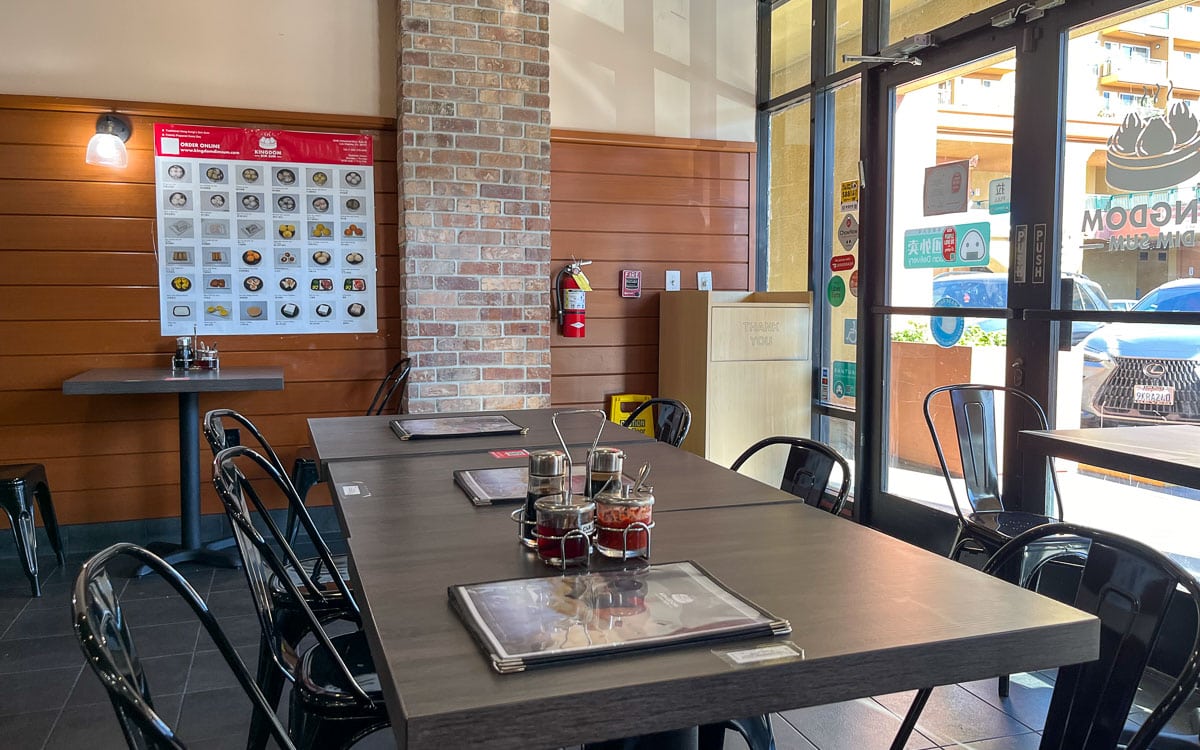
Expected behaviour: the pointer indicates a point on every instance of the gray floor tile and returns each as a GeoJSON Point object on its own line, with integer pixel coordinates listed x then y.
{"type": "Point", "coordinates": [231, 602]}
{"type": "Point", "coordinates": [225, 579]}
{"type": "Point", "coordinates": [27, 730]}
{"type": "Point", "coordinates": [241, 630]}
{"type": "Point", "coordinates": [29, 692]}
{"type": "Point", "coordinates": [853, 725]}
{"type": "Point", "coordinates": [163, 640]}
{"type": "Point", "coordinates": [210, 671]}
{"type": "Point", "coordinates": [29, 654]}
{"type": "Point", "coordinates": [152, 586]}
{"type": "Point", "coordinates": [214, 714]}
{"type": "Point", "coordinates": [162, 610]}
{"type": "Point", "coordinates": [35, 623]}
{"type": "Point", "coordinates": [94, 725]}
{"type": "Point", "coordinates": [1028, 697]}
{"type": "Point", "coordinates": [955, 715]}
{"type": "Point", "coordinates": [1019, 742]}
{"type": "Point", "coordinates": [167, 675]}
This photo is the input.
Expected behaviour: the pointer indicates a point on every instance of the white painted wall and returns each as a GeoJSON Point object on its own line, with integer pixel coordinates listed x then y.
{"type": "Point", "coordinates": [327, 56]}
{"type": "Point", "coordinates": [651, 67]}
{"type": "Point", "coordinates": [681, 68]}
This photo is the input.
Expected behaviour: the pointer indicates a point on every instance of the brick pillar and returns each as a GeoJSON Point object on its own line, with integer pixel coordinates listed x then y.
{"type": "Point", "coordinates": [474, 160]}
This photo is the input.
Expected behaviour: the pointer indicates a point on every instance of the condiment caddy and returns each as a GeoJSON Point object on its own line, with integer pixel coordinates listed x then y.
{"type": "Point", "coordinates": [610, 517]}
{"type": "Point", "coordinates": [193, 354]}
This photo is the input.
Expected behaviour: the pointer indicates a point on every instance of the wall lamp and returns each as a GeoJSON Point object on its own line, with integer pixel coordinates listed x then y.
{"type": "Point", "coordinates": [107, 146]}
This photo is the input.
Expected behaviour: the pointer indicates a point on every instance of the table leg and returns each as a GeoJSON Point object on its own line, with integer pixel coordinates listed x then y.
{"type": "Point", "coordinates": [190, 550]}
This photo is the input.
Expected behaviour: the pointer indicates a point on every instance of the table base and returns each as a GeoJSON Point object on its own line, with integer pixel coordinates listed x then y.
{"type": "Point", "coordinates": [214, 554]}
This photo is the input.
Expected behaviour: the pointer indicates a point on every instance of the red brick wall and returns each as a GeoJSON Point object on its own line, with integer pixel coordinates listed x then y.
{"type": "Point", "coordinates": [474, 160]}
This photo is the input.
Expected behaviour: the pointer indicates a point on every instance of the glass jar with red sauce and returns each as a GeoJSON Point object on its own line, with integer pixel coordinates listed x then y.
{"type": "Point", "coordinates": [564, 530]}
{"type": "Point", "coordinates": [624, 519]}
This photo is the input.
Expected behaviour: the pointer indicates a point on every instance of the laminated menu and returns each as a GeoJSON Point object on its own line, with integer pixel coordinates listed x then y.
{"type": "Point", "coordinates": [528, 622]}
{"type": "Point", "coordinates": [453, 427]}
{"type": "Point", "coordinates": [508, 484]}
{"type": "Point", "coordinates": [264, 231]}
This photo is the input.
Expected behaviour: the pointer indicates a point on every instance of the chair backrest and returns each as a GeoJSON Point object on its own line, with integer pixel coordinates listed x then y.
{"type": "Point", "coordinates": [808, 470]}
{"type": "Point", "coordinates": [672, 419]}
{"type": "Point", "coordinates": [392, 386]}
{"type": "Point", "coordinates": [108, 644]}
{"type": "Point", "coordinates": [215, 432]}
{"type": "Point", "coordinates": [260, 561]}
{"type": "Point", "coordinates": [1129, 587]}
{"type": "Point", "coordinates": [974, 410]}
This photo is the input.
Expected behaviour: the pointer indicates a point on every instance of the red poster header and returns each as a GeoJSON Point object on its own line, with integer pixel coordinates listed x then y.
{"type": "Point", "coordinates": [251, 144]}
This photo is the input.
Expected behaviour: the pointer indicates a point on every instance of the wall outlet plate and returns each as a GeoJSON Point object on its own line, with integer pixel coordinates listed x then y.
{"type": "Point", "coordinates": [704, 281]}
{"type": "Point", "coordinates": [672, 281]}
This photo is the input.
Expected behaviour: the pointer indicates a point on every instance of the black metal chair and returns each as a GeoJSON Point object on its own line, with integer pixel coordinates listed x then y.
{"type": "Point", "coordinates": [336, 696]}
{"type": "Point", "coordinates": [20, 486]}
{"type": "Point", "coordinates": [808, 471]}
{"type": "Point", "coordinates": [388, 399]}
{"type": "Point", "coordinates": [988, 525]}
{"type": "Point", "coordinates": [1129, 587]}
{"type": "Point", "coordinates": [108, 645]}
{"type": "Point", "coordinates": [672, 419]}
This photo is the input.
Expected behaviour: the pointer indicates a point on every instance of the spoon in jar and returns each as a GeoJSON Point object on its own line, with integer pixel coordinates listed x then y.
{"type": "Point", "coordinates": [645, 472]}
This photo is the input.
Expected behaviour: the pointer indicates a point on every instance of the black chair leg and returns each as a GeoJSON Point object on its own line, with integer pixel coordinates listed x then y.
{"type": "Point", "coordinates": [910, 719]}
{"type": "Point", "coordinates": [270, 681]}
{"type": "Point", "coordinates": [1003, 686]}
{"type": "Point", "coordinates": [50, 520]}
{"type": "Point", "coordinates": [23, 534]}
{"type": "Point", "coordinates": [312, 731]}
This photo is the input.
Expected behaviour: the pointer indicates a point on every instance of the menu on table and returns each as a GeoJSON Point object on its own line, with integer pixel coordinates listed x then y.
{"type": "Point", "coordinates": [264, 231]}
{"type": "Point", "coordinates": [526, 622]}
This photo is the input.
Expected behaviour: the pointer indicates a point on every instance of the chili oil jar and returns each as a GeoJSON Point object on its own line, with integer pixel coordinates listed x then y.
{"type": "Point", "coordinates": [624, 518]}
{"type": "Point", "coordinates": [564, 530]}
{"type": "Point", "coordinates": [606, 465]}
{"type": "Point", "coordinates": [547, 476]}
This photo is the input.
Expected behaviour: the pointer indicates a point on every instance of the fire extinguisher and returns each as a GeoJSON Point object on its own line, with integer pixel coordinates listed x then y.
{"type": "Point", "coordinates": [570, 296]}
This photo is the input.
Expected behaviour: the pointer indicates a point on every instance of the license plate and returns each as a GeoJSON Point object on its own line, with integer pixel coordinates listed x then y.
{"type": "Point", "coordinates": [1155, 395]}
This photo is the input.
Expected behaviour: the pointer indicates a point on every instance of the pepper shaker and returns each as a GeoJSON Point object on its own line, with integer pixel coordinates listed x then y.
{"type": "Point", "coordinates": [606, 465]}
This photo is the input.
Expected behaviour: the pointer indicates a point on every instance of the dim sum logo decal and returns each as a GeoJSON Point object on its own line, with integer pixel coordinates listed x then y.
{"type": "Point", "coordinates": [268, 143]}
{"type": "Point", "coordinates": [1154, 149]}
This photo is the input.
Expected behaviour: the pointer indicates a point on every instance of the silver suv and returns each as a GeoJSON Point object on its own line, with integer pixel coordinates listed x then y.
{"type": "Point", "coordinates": [1145, 373]}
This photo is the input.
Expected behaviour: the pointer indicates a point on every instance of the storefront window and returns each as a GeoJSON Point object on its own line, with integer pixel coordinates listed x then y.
{"type": "Point", "coordinates": [788, 218]}
{"type": "Point", "coordinates": [791, 46]}
{"type": "Point", "coordinates": [841, 273]}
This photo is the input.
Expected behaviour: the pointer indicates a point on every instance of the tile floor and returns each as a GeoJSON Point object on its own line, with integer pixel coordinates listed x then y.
{"type": "Point", "coordinates": [49, 700]}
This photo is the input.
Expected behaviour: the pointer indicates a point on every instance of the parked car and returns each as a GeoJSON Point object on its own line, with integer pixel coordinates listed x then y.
{"type": "Point", "coordinates": [986, 289]}
{"type": "Point", "coordinates": [1122, 304]}
{"type": "Point", "coordinates": [1145, 373]}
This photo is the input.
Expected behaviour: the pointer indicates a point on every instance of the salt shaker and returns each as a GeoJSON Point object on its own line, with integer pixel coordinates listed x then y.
{"type": "Point", "coordinates": [547, 476]}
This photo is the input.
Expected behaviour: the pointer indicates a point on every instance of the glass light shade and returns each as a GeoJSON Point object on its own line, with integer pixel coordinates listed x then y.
{"type": "Point", "coordinates": [106, 150]}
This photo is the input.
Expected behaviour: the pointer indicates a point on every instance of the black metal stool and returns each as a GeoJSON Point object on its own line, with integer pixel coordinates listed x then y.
{"type": "Point", "coordinates": [19, 485]}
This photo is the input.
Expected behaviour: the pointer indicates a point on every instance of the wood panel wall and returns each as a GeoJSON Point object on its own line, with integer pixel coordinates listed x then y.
{"type": "Point", "coordinates": [79, 290]}
{"type": "Point", "coordinates": [649, 204]}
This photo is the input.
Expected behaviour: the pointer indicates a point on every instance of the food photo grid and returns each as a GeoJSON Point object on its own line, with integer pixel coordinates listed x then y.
{"type": "Point", "coordinates": [264, 231]}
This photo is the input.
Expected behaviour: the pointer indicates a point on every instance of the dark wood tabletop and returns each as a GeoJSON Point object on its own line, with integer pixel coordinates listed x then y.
{"type": "Point", "coordinates": [350, 438]}
{"type": "Point", "coordinates": [872, 614]}
{"type": "Point", "coordinates": [115, 380]}
{"type": "Point", "coordinates": [425, 484]}
{"type": "Point", "coordinates": [1168, 453]}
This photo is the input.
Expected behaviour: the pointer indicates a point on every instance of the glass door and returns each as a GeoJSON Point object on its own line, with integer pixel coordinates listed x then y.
{"type": "Point", "coordinates": [1129, 348]}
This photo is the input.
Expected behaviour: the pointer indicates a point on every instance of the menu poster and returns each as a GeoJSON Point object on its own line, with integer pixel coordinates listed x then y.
{"type": "Point", "coordinates": [264, 231]}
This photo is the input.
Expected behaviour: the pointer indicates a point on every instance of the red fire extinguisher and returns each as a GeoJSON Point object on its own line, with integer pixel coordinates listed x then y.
{"type": "Point", "coordinates": [570, 296]}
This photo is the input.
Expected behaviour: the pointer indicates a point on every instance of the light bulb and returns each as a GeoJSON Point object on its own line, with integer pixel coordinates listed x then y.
{"type": "Point", "coordinates": [107, 150]}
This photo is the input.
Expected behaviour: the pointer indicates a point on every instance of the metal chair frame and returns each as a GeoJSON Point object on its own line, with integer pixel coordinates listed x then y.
{"type": "Point", "coordinates": [673, 421]}
{"type": "Point", "coordinates": [817, 488]}
{"type": "Point", "coordinates": [280, 626]}
{"type": "Point", "coordinates": [1129, 586]}
{"type": "Point", "coordinates": [108, 646]}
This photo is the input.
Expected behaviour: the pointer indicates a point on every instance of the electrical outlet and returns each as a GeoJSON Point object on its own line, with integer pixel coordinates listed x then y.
{"type": "Point", "coordinates": [672, 281]}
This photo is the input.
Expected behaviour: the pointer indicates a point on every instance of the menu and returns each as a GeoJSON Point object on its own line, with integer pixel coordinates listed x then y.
{"type": "Point", "coordinates": [530, 621]}
{"type": "Point", "coordinates": [264, 231]}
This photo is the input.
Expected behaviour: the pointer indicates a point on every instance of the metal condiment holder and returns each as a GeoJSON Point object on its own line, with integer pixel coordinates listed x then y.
{"type": "Point", "coordinates": [624, 532]}
{"type": "Point", "coordinates": [587, 477]}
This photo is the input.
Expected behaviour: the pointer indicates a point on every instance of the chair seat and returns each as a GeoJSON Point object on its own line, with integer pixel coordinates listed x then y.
{"type": "Point", "coordinates": [324, 580]}
{"type": "Point", "coordinates": [322, 685]}
{"type": "Point", "coordinates": [1006, 524]}
{"type": "Point", "coordinates": [13, 474]}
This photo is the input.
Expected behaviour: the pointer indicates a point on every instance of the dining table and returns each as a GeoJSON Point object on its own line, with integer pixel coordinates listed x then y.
{"type": "Point", "coordinates": [1167, 453]}
{"type": "Point", "coordinates": [869, 614]}
{"type": "Point", "coordinates": [186, 385]}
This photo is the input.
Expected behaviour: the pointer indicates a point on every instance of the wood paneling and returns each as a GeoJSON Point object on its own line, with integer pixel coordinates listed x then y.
{"type": "Point", "coordinates": [79, 290]}
{"type": "Point", "coordinates": [648, 204]}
